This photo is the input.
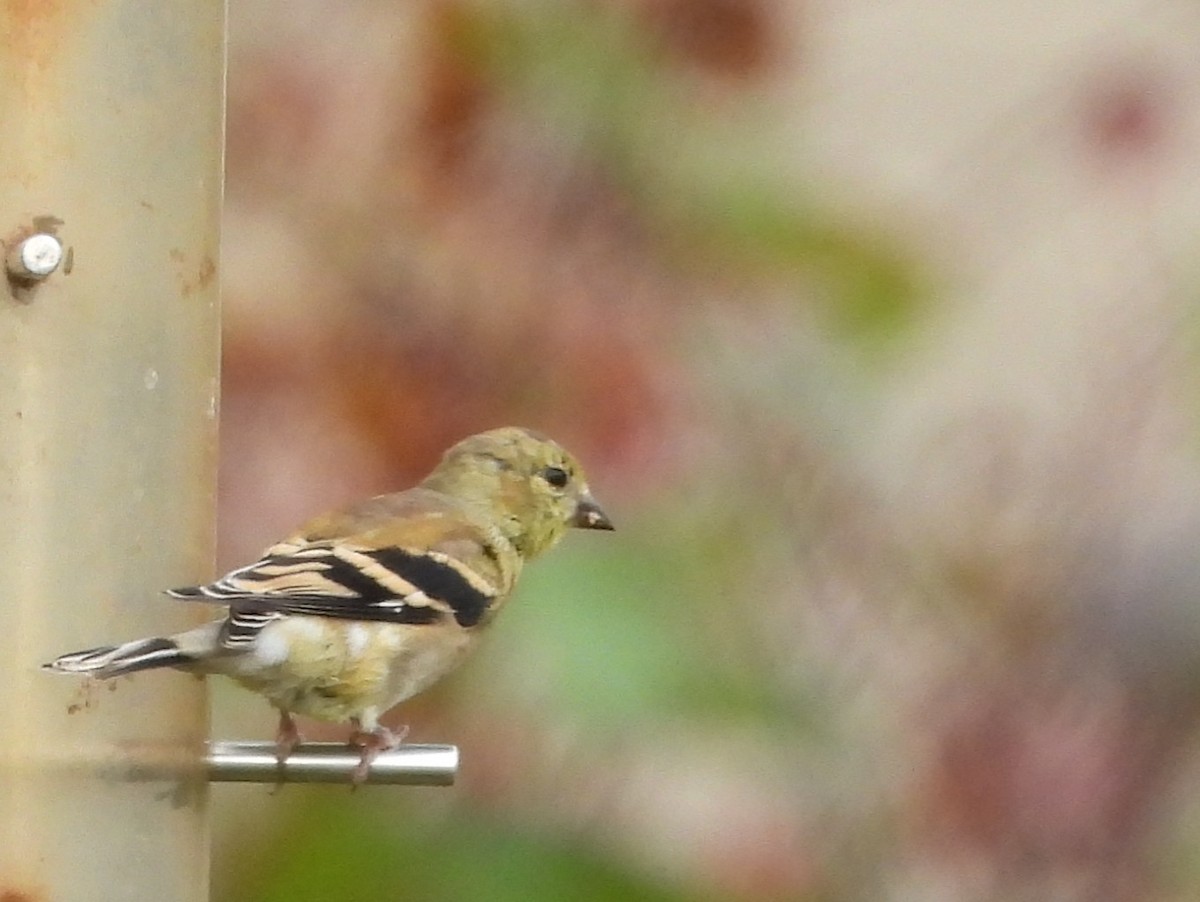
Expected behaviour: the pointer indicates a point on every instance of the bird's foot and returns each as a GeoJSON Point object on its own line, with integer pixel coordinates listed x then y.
{"type": "Point", "coordinates": [372, 742]}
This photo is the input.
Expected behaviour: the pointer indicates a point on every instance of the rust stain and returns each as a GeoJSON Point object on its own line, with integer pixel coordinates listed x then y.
{"type": "Point", "coordinates": [47, 223]}
{"type": "Point", "coordinates": [30, 21]}
{"type": "Point", "coordinates": [208, 269]}
{"type": "Point", "coordinates": [41, 49]}
{"type": "Point", "coordinates": [204, 273]}
{"type": "Point", "coordinates": [29, 13]}
{"type": "Point", "coordinates": [33, 29]}
{"type": "Point", "coordinates": [19, 895]}
{"type": "Point", "coordinates": [85, 700]}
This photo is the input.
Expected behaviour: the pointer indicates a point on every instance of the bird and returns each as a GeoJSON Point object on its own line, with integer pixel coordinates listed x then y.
{"type": "Point", "coordinates": [364, 607]}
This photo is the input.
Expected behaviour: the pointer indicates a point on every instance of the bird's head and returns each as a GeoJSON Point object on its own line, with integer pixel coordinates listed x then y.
{"type": "Point", "coordinates": [530, 484]}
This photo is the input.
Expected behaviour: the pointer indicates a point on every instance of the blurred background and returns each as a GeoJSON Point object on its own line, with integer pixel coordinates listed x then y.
{"type": "Point", "coordinates": [875, 324]}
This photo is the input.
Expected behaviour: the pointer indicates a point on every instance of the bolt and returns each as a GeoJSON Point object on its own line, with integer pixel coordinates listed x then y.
{"type": "Point", "coordinates": [35, 257]}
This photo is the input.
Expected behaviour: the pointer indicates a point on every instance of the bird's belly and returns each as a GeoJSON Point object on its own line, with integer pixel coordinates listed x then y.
{"type": "Point", "coordinates": [334, 669]}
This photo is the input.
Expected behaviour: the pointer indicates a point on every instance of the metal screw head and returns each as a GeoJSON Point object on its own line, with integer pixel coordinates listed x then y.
{"type": "Point", "coordinates": [35, 257]}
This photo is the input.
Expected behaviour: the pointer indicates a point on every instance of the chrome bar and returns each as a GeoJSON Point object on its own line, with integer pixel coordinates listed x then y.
{"type": "Point", "coordinates": [329, 762]}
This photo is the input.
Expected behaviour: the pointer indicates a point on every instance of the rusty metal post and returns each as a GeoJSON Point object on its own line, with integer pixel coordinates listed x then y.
{"type": "Point", "coordinates": [111, 134]}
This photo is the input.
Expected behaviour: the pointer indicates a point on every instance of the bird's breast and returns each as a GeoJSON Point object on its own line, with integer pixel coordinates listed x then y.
{"type": "Point", "coordinates": [335, 669]}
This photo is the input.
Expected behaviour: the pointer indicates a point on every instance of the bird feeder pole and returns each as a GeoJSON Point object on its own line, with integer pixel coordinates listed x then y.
{"type": "Point", "coordinates": [110, 192]}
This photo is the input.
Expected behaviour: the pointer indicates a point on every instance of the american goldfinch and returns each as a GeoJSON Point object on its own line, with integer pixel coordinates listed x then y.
{"type": "Point", "coordinates": [365, 607]}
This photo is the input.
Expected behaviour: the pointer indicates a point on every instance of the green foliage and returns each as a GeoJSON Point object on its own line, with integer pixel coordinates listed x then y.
{"type": "Point", "coordinates": [634, 630]}
{"type": "Point", "coordinates": [381, 851]}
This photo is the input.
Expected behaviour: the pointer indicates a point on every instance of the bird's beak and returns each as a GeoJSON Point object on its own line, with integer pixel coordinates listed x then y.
{"type": "Point", "coordinates": [589, 516]}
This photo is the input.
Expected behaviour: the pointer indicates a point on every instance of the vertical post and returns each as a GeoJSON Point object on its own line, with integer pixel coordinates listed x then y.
{"type": "Point", "coordinates": [111, 140]}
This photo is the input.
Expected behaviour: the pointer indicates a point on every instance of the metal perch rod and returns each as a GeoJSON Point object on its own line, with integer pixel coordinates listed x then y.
{"type": "Point", "coordinates": [329, 762]}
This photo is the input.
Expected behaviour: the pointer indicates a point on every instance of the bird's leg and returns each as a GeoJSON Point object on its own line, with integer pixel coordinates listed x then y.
{"type": "Point", "coordinates": [372, 741]}
{"type": "Point", "coordinates": [287, 737]}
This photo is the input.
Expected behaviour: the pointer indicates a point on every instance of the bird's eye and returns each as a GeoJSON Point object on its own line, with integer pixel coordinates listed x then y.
{"type": "Point", "coordinates": [556, 476]}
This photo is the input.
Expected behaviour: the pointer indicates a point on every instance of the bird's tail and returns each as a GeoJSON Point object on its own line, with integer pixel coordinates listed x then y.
{"type": "Point", "coordinates": [114, 660]}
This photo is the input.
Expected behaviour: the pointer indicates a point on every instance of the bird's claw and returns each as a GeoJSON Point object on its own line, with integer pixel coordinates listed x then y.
{"type": "Point", "coordinates": [372, 742]}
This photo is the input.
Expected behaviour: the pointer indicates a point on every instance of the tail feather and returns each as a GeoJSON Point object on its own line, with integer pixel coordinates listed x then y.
{"type": "Point", "coordinates": [114, 660]}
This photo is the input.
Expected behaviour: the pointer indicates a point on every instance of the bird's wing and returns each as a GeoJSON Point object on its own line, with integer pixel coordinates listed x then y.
{"type": "Point", "coordinates": [335, 580]}
{"type": "Point", "coordinates": [421, 568]}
